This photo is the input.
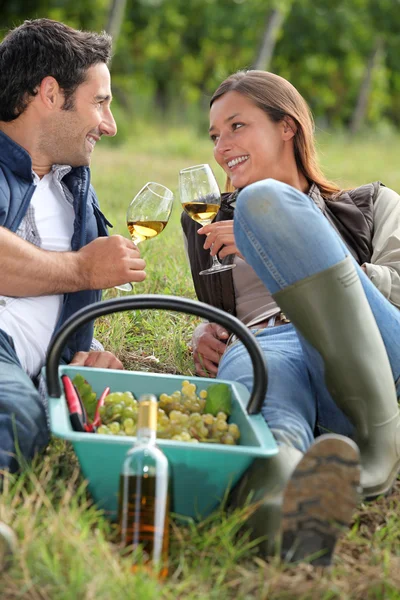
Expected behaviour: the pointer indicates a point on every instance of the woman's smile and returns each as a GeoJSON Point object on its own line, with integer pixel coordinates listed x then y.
{"type": "Point", "coordinates": [234, 162]}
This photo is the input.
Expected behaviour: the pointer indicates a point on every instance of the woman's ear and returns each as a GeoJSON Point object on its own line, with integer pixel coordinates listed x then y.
{"type": "Point", "coordinates": [289, 128]}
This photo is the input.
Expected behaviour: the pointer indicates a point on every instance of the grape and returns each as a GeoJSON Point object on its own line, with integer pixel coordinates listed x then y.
{"type": "Point", "coordinates": [129, 399]}
{"type": "Point", "coordinates": [114, 398]}
{"type": "Point", "coordinates": [175, 416]}
{"type": "Point", "coordinates": [116, 411]}
{"type": "Point", "coordinates": [221, 425]}
{"type": "Point", "coordinates": [233, 430]}
{"type": "Point", "coordinates": [208, 419]}
{"type": "Point", "coordinates": [201, 431]}
{"type": "Point", "coordinates": [129, 413]}
{"type": "Point", "coordinates": [108, 416]}
{"type": "Point", "coordinates": [128, 424]}
{"type": "Point", "coordinates": [103, 429]}
{"type": "Point", "coordinates": [114, 427]}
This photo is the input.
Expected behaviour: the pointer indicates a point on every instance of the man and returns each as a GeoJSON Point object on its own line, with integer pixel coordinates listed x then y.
{"type": "Point", "coordinates": [55, 256]}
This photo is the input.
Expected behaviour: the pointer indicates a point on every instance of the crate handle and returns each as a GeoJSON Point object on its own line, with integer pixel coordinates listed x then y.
{"type": "Point", "coordinates": [155, 301]}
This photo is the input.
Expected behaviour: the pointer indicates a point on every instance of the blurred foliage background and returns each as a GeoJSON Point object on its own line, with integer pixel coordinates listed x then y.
{"type": "Point", "coordinates": [170, 55]}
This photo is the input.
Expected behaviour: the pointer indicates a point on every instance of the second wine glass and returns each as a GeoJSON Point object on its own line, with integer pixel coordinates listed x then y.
{"type": "Point", "coordinates": [201, 198]}
{"type": "Point", "coordinates": [147, 215]}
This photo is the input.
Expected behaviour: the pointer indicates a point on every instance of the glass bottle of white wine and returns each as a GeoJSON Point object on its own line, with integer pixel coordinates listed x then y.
{"type": "Point", "coordinates": [144, 500]}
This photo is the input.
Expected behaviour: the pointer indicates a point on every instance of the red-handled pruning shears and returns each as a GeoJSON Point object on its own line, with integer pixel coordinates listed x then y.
{"type": "Point", "coordinates": [97, 419]}
{"type": "Point", "coordinates": [77, 412]}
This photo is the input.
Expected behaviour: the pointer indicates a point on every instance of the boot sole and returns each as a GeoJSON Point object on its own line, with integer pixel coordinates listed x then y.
{"type": "Point", "coordinates": [320, 499]}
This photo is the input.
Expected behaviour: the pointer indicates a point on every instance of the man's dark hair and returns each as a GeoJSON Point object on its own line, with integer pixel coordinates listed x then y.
{"type": "Point", "coordinates": [41, 48]}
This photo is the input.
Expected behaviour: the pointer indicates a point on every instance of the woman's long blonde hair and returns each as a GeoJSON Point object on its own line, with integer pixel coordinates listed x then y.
{"type": "Point", "coordinates": [279, 99]}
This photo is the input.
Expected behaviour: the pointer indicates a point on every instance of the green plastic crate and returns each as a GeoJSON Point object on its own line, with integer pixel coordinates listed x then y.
{"type": "Point", "coordinates": [202, 472]}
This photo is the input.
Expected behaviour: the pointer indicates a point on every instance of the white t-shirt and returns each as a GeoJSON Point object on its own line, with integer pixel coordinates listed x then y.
{"type": "Point", "coordinates": [31, 321]}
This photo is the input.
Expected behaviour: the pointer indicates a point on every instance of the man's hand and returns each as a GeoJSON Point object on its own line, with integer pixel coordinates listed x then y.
{"type": "Point", "coordinates": [99, 360]}
{"type": "Point", "coordinates": [110, 261]}
{"type": "Point", "coordinates": [208, 343]}
{"type": "Point", "coordinates": [220, 234]}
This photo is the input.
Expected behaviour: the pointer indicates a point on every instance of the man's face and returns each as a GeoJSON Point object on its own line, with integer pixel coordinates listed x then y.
{"type": "Point", "coordinates": [71, 135]}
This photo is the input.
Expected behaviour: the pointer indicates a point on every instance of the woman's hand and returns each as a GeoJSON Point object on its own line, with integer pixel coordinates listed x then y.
{"type": "Point", "coordinates": [220, 234]}
{"type": "Point", "coordinates": [208, 343]}
{"type": "Point", "coordinates": [100, 360]}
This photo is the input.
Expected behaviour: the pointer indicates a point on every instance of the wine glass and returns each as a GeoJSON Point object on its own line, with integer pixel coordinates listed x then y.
{"type": "Point", "coordinates": [148, 215]}
{"type": "Point", "coordinates": [201, 198]}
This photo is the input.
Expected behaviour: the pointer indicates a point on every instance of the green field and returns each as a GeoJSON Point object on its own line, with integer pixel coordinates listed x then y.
{"type": "Point", "coordinates": [66, 548]}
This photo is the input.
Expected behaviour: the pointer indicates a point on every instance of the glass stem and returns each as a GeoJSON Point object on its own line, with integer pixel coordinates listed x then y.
{"type": "Point", "coordinates": [214, 258]}
{"type": "Point", "coordinates": [215, 261]}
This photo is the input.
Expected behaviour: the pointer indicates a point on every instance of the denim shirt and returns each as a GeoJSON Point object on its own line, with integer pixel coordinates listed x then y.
{"type": "Point", "coordinates": [16, 190]}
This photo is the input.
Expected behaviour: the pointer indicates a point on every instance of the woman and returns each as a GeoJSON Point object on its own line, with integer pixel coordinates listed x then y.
{"type": "Point", "coordinates": [317, 279]}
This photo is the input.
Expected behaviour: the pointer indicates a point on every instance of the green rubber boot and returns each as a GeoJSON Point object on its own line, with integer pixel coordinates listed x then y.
{"type": "Point", "coordinates": [331, 311]}
{"type": "Point", "coordinates": [264, 483]}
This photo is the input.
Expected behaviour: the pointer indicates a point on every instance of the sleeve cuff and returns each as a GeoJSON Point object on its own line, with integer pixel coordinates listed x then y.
{"type": "Point", "coordinates": [96, 346]}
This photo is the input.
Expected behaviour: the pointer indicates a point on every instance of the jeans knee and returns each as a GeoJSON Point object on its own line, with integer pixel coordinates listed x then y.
{"type": "Point", "coordinates": [266, 196]}
{"type": "Point", "coordinates": [20, 439]}
{"type": "Point", "coordinates": [27, 420]}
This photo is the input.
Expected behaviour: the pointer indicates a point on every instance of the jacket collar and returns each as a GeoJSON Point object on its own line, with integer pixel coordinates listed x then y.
{"type": "Point", "coordinates": [315, 195]}
{"type": "Point", "coordinates": [228, 199]}
{"type": "Point", "coordinates": [16, 158]}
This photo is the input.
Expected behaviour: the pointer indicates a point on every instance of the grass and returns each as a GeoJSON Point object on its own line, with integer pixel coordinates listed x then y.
{"type": "Point", "coordinates": [67, 548]}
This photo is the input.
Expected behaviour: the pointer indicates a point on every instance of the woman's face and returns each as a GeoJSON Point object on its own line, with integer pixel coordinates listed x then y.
{"type": "Point", "coordinates": [247, 144]}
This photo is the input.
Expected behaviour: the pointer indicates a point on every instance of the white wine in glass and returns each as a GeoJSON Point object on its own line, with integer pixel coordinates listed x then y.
{"type": "Point", "coordinates": [201, 198]}
{"type": "Point", "coordinates": [148, 215]}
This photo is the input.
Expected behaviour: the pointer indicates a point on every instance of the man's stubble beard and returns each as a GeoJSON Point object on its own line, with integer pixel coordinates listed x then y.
{"type": "Point", "coordinates": [57, 143]}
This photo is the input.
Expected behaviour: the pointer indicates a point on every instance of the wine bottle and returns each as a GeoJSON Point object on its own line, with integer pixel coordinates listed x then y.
{"type": "Point", "coordinates": [143, 513]}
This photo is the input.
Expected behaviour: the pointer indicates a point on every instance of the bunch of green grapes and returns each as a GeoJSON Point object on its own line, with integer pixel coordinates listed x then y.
{"type": "Point", "coordinates": [197, 427]}
{"type": "Point", "coordinates": [180, 417]}
{"type": "Point", "coordinates": [119, 414]}
{"type": "Point", "coordinates": [185, 401]}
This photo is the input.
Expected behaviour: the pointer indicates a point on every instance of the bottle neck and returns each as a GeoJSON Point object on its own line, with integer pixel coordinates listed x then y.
{"type": "Point", "coordinates": [146, 436]}
{"type": "Point", "coordinates": [147, 420]}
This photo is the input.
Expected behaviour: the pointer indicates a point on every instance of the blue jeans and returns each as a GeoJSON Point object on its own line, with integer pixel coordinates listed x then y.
{"type": "Point", "coordinates": [23, 422]}
{"type": "Point", "coordinates": [285, 238]}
